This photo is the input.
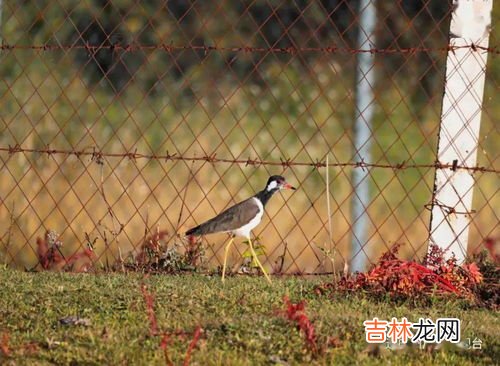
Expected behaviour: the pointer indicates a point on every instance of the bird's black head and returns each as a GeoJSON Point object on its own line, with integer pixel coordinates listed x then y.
{"type": "Point", "coordinates": [277, 182]}
{"type": "Point", "coordinates": [274, 184]}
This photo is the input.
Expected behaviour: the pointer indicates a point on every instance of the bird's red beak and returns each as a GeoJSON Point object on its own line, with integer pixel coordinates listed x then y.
{"type": "Point", "coordinates": [289, 186]}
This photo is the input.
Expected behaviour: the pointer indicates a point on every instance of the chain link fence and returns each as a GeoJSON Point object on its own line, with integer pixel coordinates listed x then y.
{"type": "Point", "coordinates": [125, 123]}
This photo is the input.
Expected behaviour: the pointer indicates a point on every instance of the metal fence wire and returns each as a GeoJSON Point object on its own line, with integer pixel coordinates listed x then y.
{"type": "Point", "coordinates": [124, 123]}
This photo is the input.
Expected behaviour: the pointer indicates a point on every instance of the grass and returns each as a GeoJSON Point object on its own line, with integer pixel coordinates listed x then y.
{"type": "Point", "coordinates": [242, 322]}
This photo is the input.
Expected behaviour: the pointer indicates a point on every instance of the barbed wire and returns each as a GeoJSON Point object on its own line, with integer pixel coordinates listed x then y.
{"type": "Point", "coordinates": [97, 156]}
{"type": "Point", "coordinates": [132, 47]}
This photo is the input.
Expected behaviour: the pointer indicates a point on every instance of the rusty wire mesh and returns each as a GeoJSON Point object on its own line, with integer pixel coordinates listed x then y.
{"type": "Point", "coordinates": [122, 117]}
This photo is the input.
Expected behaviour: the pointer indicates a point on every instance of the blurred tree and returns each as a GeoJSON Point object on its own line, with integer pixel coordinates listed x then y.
{"type": "Point", "coordinates": [258, 23]}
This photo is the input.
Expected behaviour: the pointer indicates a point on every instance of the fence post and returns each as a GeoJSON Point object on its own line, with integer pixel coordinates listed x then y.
{"type": "Point", "coordinates": [362, 134]}
{"type": "Point", "coordinates": [460, 122]}
{"type": "Point", "coordinates": [1, 23]}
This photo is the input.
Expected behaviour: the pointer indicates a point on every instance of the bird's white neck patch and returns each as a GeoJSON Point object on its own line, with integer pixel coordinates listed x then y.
{"type": "Point", "coordinates": [272, 185]}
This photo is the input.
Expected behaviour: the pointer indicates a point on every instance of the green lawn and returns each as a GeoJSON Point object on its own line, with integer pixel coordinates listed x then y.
{"type": "Point", "coordinates": [241, 322]}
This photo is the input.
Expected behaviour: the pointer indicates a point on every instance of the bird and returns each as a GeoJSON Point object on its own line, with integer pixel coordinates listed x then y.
{"type": "Point", "coordinates": [242, 218]}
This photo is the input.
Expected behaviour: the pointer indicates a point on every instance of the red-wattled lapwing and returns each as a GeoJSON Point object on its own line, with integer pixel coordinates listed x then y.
{"type": "Point", "coordinates": [242, 218]}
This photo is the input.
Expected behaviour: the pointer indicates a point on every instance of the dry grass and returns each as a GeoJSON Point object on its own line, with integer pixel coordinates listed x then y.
{"type": "Point", "coordinates": [74, 207]}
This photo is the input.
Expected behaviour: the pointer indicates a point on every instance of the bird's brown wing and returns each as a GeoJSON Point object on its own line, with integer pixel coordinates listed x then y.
{"type": "Point", "coordinates": [231, 219]}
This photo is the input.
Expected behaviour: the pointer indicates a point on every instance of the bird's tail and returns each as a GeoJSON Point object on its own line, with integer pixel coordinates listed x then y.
{"type": "Point", "coordinates": [208, 227]}
{"type": "Point", "coordinates": [195, 231]}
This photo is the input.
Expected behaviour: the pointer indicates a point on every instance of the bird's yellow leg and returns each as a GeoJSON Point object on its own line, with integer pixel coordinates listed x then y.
{"type": "Point", "coordinates": [258, 262]}
{"type": "Point", "coordinates": [226, 251]}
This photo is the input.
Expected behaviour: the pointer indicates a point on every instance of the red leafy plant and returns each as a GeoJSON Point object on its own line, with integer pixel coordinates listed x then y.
{"type": "Point", "coordinates": [151, 249]}
{"type": "Point", "coordinates": [194, 253]}
{"type": "Point", "coordinates": [463, 277]}
{"type": "Point", "coordinates": [157, 255]}
{"type": "Point", "coordinates": [4, 344]}
{"type": "Point", "coordinates": [404, 279]}
{"type": "Point", "coordinates": [296, 313]}
{"type": "Point", "coordinates": [491, 244]}
{"type": "Point", "coordinates": [165, 337]}
{"type": "Point", "coordinates": [50, 256]}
